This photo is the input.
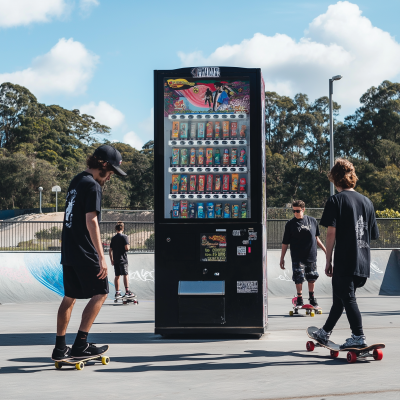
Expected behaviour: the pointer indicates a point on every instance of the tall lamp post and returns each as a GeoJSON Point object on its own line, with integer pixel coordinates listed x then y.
{"type": "Point", "coordinates": [332, 153]}
{"type": "Point", "coordinates": [40, 199]}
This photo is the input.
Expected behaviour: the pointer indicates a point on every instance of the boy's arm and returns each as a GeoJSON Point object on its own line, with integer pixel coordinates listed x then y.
{"type": "Point", "coordinates": [330, 242]}
{"type": "Point", "coordinates": [127, 247]}
{"type": "Point", "coordinates": [110, 252]}
{"type": "Point", "coordinates": [320, 244]}
{"type": "Point", "coordinates": [282, 261]}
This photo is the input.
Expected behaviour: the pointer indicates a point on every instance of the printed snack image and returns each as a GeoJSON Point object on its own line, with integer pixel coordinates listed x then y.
{"type": "Point", "coordinates": [242, 185]}
{"type": "Point", "coordinates": [209, 156]}
{"type": "Point", "coordinates": [225, 157]}
{"type": "Point", "coordinates": [202, 182]}
{"type": "Point", "coordinates": [193, 130]}
{"type": "Point", "coordinates": [192, 160]}
{"type": "Point", "coordinates": [175, 130]}
{"type": "Point", "coordinates": [234, 130]}
{"type": "Point", "coordinates": [209, 130]}
{"type": "Point", "coordinates": [184, 209]}
{"type": "Point", "coordinates": [217, 183]}
{"type": "Point", "coordinates": [201, 156]}
{"type": "Point", "coordinates": [217, 157]}
{"type": "Point", "coordinates": [192, 210]}
{"type": "Point", "coordinates": [184, 130]}
{"type": "Point", "coordinates": [175, 209]}
{"type": "Point", "coordinates": [217, 133]}
{"type": "Point", "coordinates": [209, 183]}
{"type": "Point", "coordinates": [175, 156]}
{"type": "Point", "coordinates": [225, 130]}
{"type": "Point", "coordinates": [235, 211]}
{"type": "Point", "coordinates": [200, 131]}
{"type": "Point", "coordinates": [243, 131]}
{"type": "Point", "coordinates": [233, 156]}
{"type": "Point", "coordinates": [184, 183]}
{"type": "Point", "coordinates": [175, 183]}
{"type": "Point", "coordinates": [200, 210]}
{"type": "Point", "coordinates": [192, 183]}
{"type": "Point", "coordinates": [227, 211]}
{"type": "Point", "coordinates": [242, 157]}
{"type": "Point", "coordinates": [184, 156]}
{"type": "Point", "coordinates": [235, 182]}
{"type": "Point", "coordinates": [210, 210]}
{"type": "Point", "coordinates": [225, 183]}
{"type": "Point", "coordinates": [218, 210]}
{"type": "Point", "coordinates": [244, 210]}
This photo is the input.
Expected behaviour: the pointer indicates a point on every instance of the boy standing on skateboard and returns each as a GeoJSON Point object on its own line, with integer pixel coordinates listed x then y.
{"type": "Point", "coordinates": [118, 247]}
{"type": "Point", "coordinates": [350, 219]}
{"type": "Point", "coordinates": [82, 257]}
{"type": "Point", "coordinates": [302, 232]}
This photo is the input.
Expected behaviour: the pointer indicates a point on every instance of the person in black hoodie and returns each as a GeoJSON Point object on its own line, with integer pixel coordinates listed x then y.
{"type": "Point", "coordinates": [350, 219]}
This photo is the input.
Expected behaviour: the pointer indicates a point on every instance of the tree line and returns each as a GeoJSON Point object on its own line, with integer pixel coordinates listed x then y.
{"type": "Point", "coordinates": [46, 145]}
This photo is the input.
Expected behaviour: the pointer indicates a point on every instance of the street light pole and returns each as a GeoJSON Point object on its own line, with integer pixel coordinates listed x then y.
{"type": "Point", "coordinates": [331, 148]}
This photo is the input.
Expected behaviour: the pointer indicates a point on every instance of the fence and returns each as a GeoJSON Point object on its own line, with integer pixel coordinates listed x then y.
{"type": "Point", "coordinates": [46, 236]}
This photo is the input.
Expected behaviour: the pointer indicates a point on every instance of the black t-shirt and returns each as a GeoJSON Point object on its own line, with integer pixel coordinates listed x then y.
{"type": "Point", "coordinates": [301, 235]}
{"type": "Point", "coordinates": [353, 216]}
{"type": "Point", "coordinates": [118, 243]}
{"type": "Point", "coordinates": [84, 196]}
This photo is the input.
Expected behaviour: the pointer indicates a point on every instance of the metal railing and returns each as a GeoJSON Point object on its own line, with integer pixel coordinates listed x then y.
{"type": "Point", "coordinates": [46, 236]}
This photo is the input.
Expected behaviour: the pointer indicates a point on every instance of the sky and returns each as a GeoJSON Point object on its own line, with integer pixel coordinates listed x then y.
{"type": "Point", "coordinates": [99, 55]}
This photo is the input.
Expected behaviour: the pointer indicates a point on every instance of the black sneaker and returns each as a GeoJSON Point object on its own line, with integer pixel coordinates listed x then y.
{"type": "Point", "coordinates": [88, 350]}
{"type": "Point", "coordinates": [299, 301]}
{"type": "Point", "coordinates": [313, 301]}
{"type": "Point", "coordinates": [129, 294]}
{"type": "Point", "coordinates": [61, 354]}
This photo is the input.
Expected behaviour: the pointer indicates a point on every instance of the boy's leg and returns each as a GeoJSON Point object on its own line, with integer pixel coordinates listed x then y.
{"type": "Point", "coordinates": [350, 304]}
{"type": "Point", "coordinates": [64, 315]}
{"type": "Point", "coordinates": [298, 278]}
{"type": "Point", "coordinates": [126, 282]}
{"type": "Point", "coordinates": [91, 311]}
{"type": "Point", "coordinates": [311, 287]}
{"type": "Point", "coordinates": [116, 283]}
{"type": "Point", "coordinates": [299, 288]}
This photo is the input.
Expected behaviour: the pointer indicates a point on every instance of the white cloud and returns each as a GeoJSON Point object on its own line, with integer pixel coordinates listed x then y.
{"type": "Point", "coordinates": [134, 140]}
{"type": "Point", "coordinates": [66, 68]}
{"type": "Point", "coordinates": [341, 41]}
{"type": "Point", "coordinates": [104, 113]}
{"type": "Point", "coordinates": [87, 6]}
{"type": "Point", "coordinates": [25, 12]}
{"type": "Point", "coordinates": [147, 126]}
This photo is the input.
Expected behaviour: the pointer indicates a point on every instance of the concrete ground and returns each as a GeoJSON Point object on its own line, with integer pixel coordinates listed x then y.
{"type": "Point", "coordinates": [146, 366]}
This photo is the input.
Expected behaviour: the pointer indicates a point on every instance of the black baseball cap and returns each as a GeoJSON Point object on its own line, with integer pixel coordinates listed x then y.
{"type": "Point", "coordinates": [112, 156]}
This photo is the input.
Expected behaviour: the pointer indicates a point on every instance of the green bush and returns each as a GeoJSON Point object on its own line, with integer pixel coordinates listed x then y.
{"type": "Point", "coordinates": [52, 233]}
{"type": "Point", "coordinates": [149, 243]}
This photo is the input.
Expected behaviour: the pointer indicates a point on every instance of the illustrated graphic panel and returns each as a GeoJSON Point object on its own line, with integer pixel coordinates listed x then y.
{"type": "Point", "coordinates": [206, 139]}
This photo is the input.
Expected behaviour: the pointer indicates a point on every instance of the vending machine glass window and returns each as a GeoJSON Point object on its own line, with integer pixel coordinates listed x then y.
{"type": "Point", "coordinates": [207, 148]}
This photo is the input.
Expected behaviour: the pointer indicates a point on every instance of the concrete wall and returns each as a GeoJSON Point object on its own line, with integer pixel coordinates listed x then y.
{"type": "Point", "coordinates": [36, 277]}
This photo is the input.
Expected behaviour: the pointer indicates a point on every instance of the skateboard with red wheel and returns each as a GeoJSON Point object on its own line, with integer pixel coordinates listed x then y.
{"type": "Point", "coordinates": [353, 354]}
{"type": "Point", "coordinates": [127, 300]}
{"type": "Point", "coordinates": [310, 310]}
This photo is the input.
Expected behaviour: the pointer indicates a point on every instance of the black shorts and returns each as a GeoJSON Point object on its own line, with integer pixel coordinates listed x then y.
{"type": "Point", "coordinates": [81, 282]}
{"type": "Point", "coordinates": [121, 269]}
{"type": "Point", "coordinates": [304, 271]}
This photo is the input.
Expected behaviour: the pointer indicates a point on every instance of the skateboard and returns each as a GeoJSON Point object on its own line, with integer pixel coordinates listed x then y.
{"type": "Point", "coordinates": [310, 310]}
{"type": "Point", "coordinates": [80, 363]}
{"type": "Point", "coordinates": [127, 300]}
{"type": "Point", "coordinates": [353, 354]}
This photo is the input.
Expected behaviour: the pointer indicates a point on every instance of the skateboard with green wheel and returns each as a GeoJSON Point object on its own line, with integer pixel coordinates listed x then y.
{"type": "Point", "coordinates": [353, 354]}
{"type": "Point", "coordinates": [81, 362]}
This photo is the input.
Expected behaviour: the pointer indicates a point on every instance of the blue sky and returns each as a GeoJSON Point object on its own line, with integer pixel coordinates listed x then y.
{"type": "Point", "coordinates": [99, 55]}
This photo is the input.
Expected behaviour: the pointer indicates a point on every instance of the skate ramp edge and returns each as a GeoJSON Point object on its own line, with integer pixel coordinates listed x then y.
{"type": "Point", "coordinates": [37, 277]}
{"type": "Point", "coordinates": [384, 279]}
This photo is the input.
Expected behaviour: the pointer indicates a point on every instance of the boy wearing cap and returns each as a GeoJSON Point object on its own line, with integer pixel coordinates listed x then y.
{"type": "Point", "coordinates": [82, 256]}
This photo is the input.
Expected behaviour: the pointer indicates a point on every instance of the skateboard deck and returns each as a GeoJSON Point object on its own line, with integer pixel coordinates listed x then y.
{"type": "Point", "coordinates": [81, 362]}
{"type": "Point", "coordinates": [353, 354]}
{"type": "Point", "coordinates": [127, 300]}
{"type": "Point", "coordinates": [310, 310]}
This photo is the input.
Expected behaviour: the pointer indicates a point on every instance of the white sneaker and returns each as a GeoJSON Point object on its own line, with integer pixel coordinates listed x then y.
{"type": "Point", "coordinates": [354, 341]}
{"type": "Point", "coordinates": [321, 335]}
{"type": "Point", "coordinates": [118, 295]}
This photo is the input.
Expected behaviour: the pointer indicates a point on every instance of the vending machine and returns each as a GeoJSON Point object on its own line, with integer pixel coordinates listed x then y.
{"type": "Point", "coordinates": [210, 207]}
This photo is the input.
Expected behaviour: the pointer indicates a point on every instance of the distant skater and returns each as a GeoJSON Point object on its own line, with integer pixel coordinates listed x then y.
{"type": "Point", "coordinates": [302, 232]}
{"type": "Point", "coordinates": [82, 257]}
{"type": "Point", "coordinates": [350, 219]}
{"type": "Point", "coordinates": [118, 247]}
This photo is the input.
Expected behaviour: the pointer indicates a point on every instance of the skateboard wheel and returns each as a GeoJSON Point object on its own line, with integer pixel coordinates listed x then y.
{"type": "Point", "coordinates": [334, 354]}
{"type": "Point", "coordinates": [307, 312]}
{"type": "Point", "coordinates": [378, 354]}
{"type": "Point", "coordinates": [319, 311]}
{"type": "Point", "coordinates": [291, 313]}
{"type": "Point", "coordinates": [58, 365]}
{"type": "Point", "coordinates": [310, 346]}
{"type": "Point", "coordinates": [105, 360]}
{"type": "Point", "coordinates": [312, 314]}
{"type": "Point", "coordinates": [351, 357]}
{"type": "Point", "coordinates": [79, 366]}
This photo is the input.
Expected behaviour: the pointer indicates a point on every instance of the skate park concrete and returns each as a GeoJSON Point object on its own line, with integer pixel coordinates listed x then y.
{"type": "Point", "coordinates": [147, 366]}
{"type": "Point", "coordinates": [36, 277]}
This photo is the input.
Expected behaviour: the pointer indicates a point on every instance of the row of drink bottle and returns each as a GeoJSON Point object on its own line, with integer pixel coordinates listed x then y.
{"type": "Point", "coordinates": [212, 157]}
{"type": "Point", "coordinates": [210, 130]}
{"type": "Point", "coordinates": [183, 209]}
{"type": "Point", "coordinates": [211, 183]}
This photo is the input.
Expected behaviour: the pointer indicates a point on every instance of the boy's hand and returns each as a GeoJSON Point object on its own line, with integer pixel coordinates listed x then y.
{"type": "Point", "coordinates": [329, 269]}
{"type": "Point", "coordinates": [112, 262]}
{"type": "Point", "coordinates": [103, 269]}
{"type": "Point", "coordinates": [282, 263]}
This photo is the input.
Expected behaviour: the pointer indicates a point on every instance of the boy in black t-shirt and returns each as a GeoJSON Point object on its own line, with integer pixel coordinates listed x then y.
{"type": "Point", "coordinates": [118, 247]}
{"type": "Point", "coordinates": [82, 257]}
{"type": "Point", "coordinates": [350, 219]}
{"type": "Point", "coordinates": [302, 232]}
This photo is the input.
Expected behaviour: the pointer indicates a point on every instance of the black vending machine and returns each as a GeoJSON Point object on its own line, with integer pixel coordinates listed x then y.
{"type": "Point", "coordinates": [210, 207]}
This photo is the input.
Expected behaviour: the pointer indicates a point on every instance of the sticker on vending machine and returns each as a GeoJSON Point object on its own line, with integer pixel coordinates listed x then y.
{"type": "Point", "coordinates": [241, 250]}
{"type": "Point", "coordinates": [247, 286]}
{"type": "Point", "coordinates": [175, 130]}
